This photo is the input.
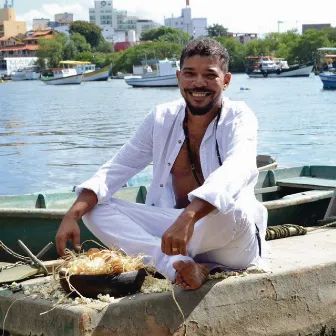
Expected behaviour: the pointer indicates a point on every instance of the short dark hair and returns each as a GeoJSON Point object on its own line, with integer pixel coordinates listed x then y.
{"type": "Point", "coordinates": [206, 46]}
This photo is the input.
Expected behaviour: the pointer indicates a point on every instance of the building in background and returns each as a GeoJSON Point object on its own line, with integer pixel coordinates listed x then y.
{"type": "Point", "coordinates": [117, 26]}
{"type": "Point", "coordinates": [8, 24]}
{"type": "Point", "coordinates": [195, 27]}
{"type": "Point", "coordinates": [40, 24]}
{"type": "Point", "coordinates": [243, 38]}
{"type": "Point", "coordinates": [317, 26]}
{"type": "Point", "coordinates": [64, 19]}
{"type": "Point", "coordinates": [145, 25]}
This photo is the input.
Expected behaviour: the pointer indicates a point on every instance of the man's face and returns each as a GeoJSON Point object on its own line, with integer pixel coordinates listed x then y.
{"type": "Point", "coordinates": [201, 82]}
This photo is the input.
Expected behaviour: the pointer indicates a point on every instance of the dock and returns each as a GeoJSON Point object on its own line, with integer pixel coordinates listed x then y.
{"type": "Point", "coordinates": [296, 296]}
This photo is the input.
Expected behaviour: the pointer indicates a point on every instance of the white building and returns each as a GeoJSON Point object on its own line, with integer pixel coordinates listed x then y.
{"type": "Point", "coordinates": [116, 23]}
{"type": "Point", "coordinates": [103, 14]}
{"type": "Point", "coordinates": [195, 27]}
{"type": "Point", "coordinates": [145, 25]}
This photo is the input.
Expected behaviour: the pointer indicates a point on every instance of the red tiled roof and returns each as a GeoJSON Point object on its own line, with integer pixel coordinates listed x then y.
{"type": "Point", "coordinates": [5, 38]}
{"type": "Point", "coordinates": [21, 47]}
{"type": "Point", "coordinates": [37, 37]}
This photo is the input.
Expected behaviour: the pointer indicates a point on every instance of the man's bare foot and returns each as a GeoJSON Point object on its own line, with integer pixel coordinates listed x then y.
{"type": "Point", "coordinates": [189, 274]}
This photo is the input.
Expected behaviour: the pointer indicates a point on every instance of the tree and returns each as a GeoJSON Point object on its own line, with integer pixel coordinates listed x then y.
{"type": "Point", "coordinates": [124, 60]}
{"type": "Point", "coordinates": [217, 30]}
{"type": "Point", "coordinates": [80, 42]}
{"type": "Point", "coordinates": [236, 52]}
{"type": "Point", "coordinates": [50, 51]}
{"type": "Point", "coordinates": [166, 34]}
{"type": "Point", "coordinates": [104, 47]}
{"type": "Point", "coordinates": [306, 48]}
{"type": "Point", "coordinates": [70, 51]}
{"type": "Point", "coordinates": [90, 31]}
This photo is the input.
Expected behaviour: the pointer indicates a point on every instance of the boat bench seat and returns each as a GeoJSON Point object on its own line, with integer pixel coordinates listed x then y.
{"type": "Point", "coordinates": [299, 198]}
{"type": "Point", "coordinates": [65, 200]}
{"type": "Point", "coordinates": [306, 182]}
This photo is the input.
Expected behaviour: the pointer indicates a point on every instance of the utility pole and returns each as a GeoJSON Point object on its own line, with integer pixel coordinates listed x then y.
{"type": "Point", "coordinates": [279, 25]}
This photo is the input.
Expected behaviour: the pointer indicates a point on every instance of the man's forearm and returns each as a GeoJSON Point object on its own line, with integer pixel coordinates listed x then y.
{"type": "Point", "coordinates": [85, 202]}
{"type": "Point", "coordinates": [197, 209]}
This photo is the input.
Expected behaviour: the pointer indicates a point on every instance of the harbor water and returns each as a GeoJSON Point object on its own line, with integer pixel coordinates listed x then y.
{"type": "Point", "coordinates": [58, 136]}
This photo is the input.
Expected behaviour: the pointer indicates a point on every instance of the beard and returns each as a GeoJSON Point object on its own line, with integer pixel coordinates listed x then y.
{"type": "Point", "coordinates": [199, 111]}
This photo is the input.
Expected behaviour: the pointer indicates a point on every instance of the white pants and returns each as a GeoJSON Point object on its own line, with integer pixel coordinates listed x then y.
{"type": "Point", "coordinates": [226, 240]}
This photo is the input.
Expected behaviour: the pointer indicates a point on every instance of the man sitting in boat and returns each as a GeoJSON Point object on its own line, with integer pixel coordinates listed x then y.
{"type": "Point", "coordinates": [201, 214]}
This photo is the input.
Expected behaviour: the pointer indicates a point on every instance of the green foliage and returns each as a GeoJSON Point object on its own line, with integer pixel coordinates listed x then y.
{"type": "Point", "coordinates": [217, 30]}
{"type": "Point", "coordinates": [236, 52]}
{"type": "Point", "coordinates": [104, 47]}
{"type": "Point", "coordinates": [90, 31]}
{"type": "Point", "coordinates": [123, 61]}
{"type": "Point", "coordinates": [306, 47]}
{"type": "Point", "coordinates": [80, 42]}
{"type": "Point", "coordinates": [50, 51]}
{"type": "Point", "coordinates": [166, 34]}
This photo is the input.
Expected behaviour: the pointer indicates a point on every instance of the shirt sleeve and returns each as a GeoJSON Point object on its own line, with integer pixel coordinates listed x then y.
{"type": "Point", "coordinates": [134, 156]}
{"type": "Point", "coordinates": [239, 170]}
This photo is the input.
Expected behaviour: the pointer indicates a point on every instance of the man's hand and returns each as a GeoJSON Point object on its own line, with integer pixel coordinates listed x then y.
{"type": "Point", "coordinates": [175, 239]}
{"type": "Point", "coordinates": [68, 230]}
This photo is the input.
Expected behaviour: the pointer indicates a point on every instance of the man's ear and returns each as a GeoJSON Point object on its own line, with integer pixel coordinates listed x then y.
{"type": "Point", "coordinates": [178, 74]}
{"type": "Point", "coordinates": [227, 79]}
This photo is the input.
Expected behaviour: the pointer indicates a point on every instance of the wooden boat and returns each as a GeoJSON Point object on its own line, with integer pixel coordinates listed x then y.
{"type": "Point", "coordinates": [298, 195]}
{"type": "Point", "coordinates": [164, 76]}
{"type": "Point", "coordinates": [89, 70]}
{"type": "Point", "coordinates": [62, 76]}
{"type": "Point", "coordinates": [295, 296]}
{"type": "Point", "coordinates": [269, 66]}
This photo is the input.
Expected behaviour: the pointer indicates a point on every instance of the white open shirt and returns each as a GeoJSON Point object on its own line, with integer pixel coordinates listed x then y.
{"type": "Point", "coordinates": [159, 138]}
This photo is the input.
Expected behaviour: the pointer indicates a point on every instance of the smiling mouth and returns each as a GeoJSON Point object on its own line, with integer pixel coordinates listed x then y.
{"type": "Point", "coordinates": [199, 94]}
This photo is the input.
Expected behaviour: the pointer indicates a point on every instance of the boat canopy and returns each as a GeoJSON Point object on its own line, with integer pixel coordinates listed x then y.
{"type": "Point", "coordinates": [327, 49]}
{"type": "Point", "coordinates": [74, 62]}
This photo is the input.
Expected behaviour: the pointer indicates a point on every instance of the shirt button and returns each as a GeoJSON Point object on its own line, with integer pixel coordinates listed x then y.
{"type": "Point", "coordinates": [169, 163]}
{"type": "Point", "coordinates": [179, 141]}
{"type": "Point", "coordinates": [161, 185]}
{"type": "Point", "coordinates": [153, 204]}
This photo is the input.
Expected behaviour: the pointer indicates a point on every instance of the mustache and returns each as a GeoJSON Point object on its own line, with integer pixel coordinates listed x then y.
{"type": "Point", "coordinates": [199, 90]}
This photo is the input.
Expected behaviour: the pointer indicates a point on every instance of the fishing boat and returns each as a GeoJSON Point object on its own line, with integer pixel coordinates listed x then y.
{"type": "Point", "coordinates": [89, 70]}
{"type": "Point", "coordinates": [269, 66]}
{"type": "Point", "coordinates": [294, 295]}
{"type": "Point", "coordinates": [164, 74]}
{"type": "Point", "coordinates": [63, 76]}
{"type": "Point", "coordinates": [328, 75]}
{"type": "Point", "coordinates": [27, 73]}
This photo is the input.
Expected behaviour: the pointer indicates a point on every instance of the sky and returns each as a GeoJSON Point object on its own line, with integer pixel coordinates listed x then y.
{"type": "Point", "coordinates": [243, 16]}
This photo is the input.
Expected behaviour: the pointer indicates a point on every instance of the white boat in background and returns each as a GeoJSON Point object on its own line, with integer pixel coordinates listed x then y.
{"type": "Point", "coordinates": [27, 73]}
{"type": "Point", "coordinates": [63, 76]}
{"type": "Point", "coordinates": [269, 66]}
{"type": "Point", "coordinates": [163, 76]}
{"type": "Point", "coordinates": [90, 72]}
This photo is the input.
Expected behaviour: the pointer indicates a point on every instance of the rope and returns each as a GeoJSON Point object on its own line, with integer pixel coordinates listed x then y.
{"type": "Point", "coordinates": [288, 230]}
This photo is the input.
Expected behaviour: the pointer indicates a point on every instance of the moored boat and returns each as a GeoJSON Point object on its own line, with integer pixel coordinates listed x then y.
{"type": "Point", "coordinates": [294, 295]}
{"type": "Point", "coordinates": [163, 76]}
{"type": "Point", "coordinates": [89, 70]}
{"type": "Point", "coordinates": [269, 66]}
{"type": "Point", "coordinates": [27, 73]}
{"type": "Point", "coordinates": [328, 74]}
{"type": "Point", "coordinates": [62, 76]}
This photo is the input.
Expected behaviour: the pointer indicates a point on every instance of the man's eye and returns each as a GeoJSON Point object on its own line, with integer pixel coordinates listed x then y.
{"type": "Point", "coordinates": [211, 76]}
{"type": "Point", "coordinates": [188, 73]}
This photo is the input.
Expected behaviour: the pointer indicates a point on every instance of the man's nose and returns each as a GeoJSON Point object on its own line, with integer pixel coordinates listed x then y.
{"type": "Point", "coordinates": [199, 81]}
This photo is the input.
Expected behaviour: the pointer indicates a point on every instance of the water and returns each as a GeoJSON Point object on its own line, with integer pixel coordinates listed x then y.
{"type": "Point", "coordinates": [58, 136]}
